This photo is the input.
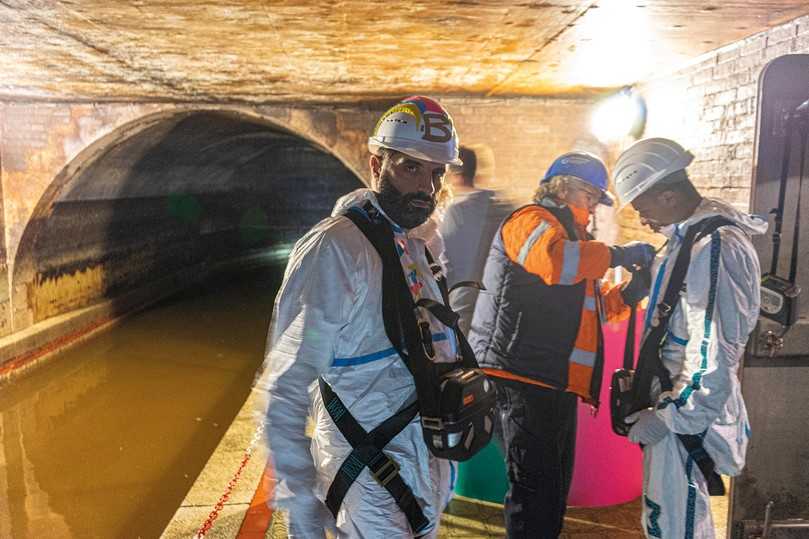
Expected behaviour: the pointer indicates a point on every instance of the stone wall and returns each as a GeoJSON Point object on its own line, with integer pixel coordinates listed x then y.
{"type": "Point", "coordinates": [72, 242]}
{"type": "Point", "coordinates": [708, 105]}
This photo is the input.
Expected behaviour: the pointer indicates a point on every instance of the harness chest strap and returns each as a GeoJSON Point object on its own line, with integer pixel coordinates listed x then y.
{"type": "Point", "coordinates": [367, 452]}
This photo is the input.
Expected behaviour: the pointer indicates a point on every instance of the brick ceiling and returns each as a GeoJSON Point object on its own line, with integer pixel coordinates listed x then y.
{"type": "Point", "coordinates": [348, 50]}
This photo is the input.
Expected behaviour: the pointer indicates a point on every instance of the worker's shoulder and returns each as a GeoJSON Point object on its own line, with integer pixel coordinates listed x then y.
{"type": "Point", "coordinates": [529, 217]}
{"type": "Point", "coordinates": [332, 232]}
{"type": "Point", "coordinates": [728, 237]}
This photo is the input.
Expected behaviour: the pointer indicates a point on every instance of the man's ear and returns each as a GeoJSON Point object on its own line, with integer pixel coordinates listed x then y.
{"type": "Point", "coordinates": [375, 164]}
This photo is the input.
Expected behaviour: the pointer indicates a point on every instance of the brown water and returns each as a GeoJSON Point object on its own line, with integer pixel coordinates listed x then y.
{"type": "Point", "coordinates": [105, 439]}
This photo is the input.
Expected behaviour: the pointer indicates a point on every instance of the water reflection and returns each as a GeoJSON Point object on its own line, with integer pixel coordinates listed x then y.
{"type": "Point", "coordinates": [105, 440]}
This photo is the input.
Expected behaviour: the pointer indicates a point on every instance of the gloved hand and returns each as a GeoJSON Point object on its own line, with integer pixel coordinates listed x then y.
{"type": "Point", "coordinates": [631, 255]}
{"type": "Point", "coordinates": [638, 288]}
{"type": "Point", "coordinates": [648, 429]}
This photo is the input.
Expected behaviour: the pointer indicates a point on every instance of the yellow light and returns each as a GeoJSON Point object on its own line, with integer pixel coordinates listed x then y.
{"type": "Point", "coordinates": [617, 117]}
{"type": "Point", "coordinates": [615, 46]}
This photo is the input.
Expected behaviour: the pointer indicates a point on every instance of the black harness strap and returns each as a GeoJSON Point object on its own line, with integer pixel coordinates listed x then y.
{"type": "Point", "coordinates": [411, 336]}
{"type": "Point", "coordinates": [649, 363]}
{"type": "Point", "coordinates": [693, 444]}
{"type": "Point", "coordinates": [367, 452]}
{"type": "Point", "coordinates": [407, 336]}
{"type": "Point", "coordinates": [367, 446]}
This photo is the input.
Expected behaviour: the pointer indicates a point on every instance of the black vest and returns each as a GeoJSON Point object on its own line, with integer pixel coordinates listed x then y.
{"type": "Point", "coordinates": [524, 326]}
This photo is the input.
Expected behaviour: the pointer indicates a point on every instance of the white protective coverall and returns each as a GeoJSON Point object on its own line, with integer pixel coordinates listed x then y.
{"type": "Point", "coordinates": [327, 321]}
{"type": "Point", "coordinates": [706, 337]}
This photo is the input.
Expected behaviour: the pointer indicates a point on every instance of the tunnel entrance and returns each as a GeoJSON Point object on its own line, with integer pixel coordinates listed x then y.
{"type": "Point", "coordinates": [168, 203]}
{"type": "Point", "coordinates": [108, 438]}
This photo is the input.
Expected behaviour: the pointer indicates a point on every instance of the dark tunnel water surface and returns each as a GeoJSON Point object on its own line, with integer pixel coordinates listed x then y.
{"type": "Point", "coordinates": [105, 439]}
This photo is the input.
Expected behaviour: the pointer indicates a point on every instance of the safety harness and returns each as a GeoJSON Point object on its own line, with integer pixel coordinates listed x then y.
{"type": "Point", "coordinates": [457, 433]}
{"type": "Point", "coordinates": [631, 390]}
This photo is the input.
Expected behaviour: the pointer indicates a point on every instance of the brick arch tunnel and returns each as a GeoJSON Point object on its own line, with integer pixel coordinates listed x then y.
{"type": "Point", "coordinates": [148, 212]}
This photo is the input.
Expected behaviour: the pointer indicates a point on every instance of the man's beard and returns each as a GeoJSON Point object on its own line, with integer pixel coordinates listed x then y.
{"type": "Point", "coordinates": [398, 206]}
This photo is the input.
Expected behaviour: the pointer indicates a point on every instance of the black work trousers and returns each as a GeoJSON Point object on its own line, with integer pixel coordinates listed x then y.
{"type": "Point", "coordinates": [539, 438]}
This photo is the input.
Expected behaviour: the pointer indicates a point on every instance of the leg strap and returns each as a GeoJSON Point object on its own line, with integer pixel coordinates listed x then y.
{"type": "Point", "coordinates": [693, 444]}
{"type": "Point", "coordinates": [367, 452]}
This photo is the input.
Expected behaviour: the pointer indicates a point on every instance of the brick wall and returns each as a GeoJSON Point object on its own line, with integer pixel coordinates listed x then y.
{"type": "Point", "coordinates": [523, 135]}
{"type": "Point", "coordinates": [710, 107]}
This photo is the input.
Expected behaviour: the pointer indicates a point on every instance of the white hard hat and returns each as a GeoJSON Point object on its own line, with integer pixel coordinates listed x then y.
{"type": "Point", "coordinates": [644, 164]}
{"type": "Point", "coordinates": [418, 127]}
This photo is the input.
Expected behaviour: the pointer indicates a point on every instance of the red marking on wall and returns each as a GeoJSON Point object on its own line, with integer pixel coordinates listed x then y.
{"type": "Point", "coordinates": [28, 358]}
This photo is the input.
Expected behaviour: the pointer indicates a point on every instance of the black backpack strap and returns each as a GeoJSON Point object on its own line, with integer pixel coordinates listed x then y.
{"type": "Point", "coordinates": [367, 452]}
{"type": "Point", "coordinates": [396, 298]}
{"type": "Point", "coordinates": [649, 363]}
{"type": "Point", "coordinates": [629, 346]}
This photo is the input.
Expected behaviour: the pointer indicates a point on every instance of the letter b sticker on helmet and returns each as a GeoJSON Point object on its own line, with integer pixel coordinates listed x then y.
{"type": "Point", "coordinates": [437, 127]}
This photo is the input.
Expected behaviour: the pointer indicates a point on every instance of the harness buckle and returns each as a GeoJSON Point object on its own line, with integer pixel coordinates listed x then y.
{"type": "Point", "coordinates": [433, 423]}
{"type": "Point", "coordinates": [386, 472]}
{"type": "Point", "coordinates": [664, 309]}
{"type": "Point", "coordinates": [427, 340]}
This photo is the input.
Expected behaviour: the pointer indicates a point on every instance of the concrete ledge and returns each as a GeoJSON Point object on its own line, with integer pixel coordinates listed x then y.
{"type": "Point", "coordinates": [31, 346]}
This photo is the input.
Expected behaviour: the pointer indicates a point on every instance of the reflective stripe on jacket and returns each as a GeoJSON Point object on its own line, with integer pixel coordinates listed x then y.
{"type": "Point", "coordinates": [538, 319]}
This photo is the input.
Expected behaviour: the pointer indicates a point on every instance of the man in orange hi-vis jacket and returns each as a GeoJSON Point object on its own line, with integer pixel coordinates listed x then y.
{"type": "Point", "coordinates": [537, 331]}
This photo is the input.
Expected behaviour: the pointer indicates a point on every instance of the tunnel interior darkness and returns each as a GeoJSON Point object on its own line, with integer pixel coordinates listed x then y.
{"type": "Point", "coordinates": [171, 201]}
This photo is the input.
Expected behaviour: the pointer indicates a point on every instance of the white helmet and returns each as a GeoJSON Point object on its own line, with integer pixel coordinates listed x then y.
{"type": "Point", "coordinates": [644, 164]}
{"type": "Point", "coordinates": [419, 127]}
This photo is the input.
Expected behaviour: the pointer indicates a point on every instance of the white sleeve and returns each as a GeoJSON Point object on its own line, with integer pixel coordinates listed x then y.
{"type": "Point", "coordinates": [314, 303]}
{"type": "Point", "coordinates": [722, 304]}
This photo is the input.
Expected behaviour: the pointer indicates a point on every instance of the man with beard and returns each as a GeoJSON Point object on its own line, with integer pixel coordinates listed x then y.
{"type": "Point", "coordinates": [328, 335]}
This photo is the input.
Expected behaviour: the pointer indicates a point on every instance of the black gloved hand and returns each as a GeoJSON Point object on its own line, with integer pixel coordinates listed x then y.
{"type": "Point", "coordinates": [632, 255]}
{"type": "Point", "coordinates": [638, 288]}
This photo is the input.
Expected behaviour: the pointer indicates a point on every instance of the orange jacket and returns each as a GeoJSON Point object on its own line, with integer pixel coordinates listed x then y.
{"type": "Point", "coordinates": [533, 238]}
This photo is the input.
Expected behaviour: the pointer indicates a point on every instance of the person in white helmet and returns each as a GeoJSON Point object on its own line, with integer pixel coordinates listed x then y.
{"type": "Point", "coordinates": [696, 400]}
{"type": "Point", "coordinates": [327, 327]}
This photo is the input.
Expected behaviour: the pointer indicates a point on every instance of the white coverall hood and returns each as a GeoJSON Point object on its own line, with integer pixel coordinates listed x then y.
{"type": "Point", "coordinates": [428, 231]}
{"type": "Point", "coordinates": [707, 333]}
{"type": "Point", "coordinates": [327, 321]}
